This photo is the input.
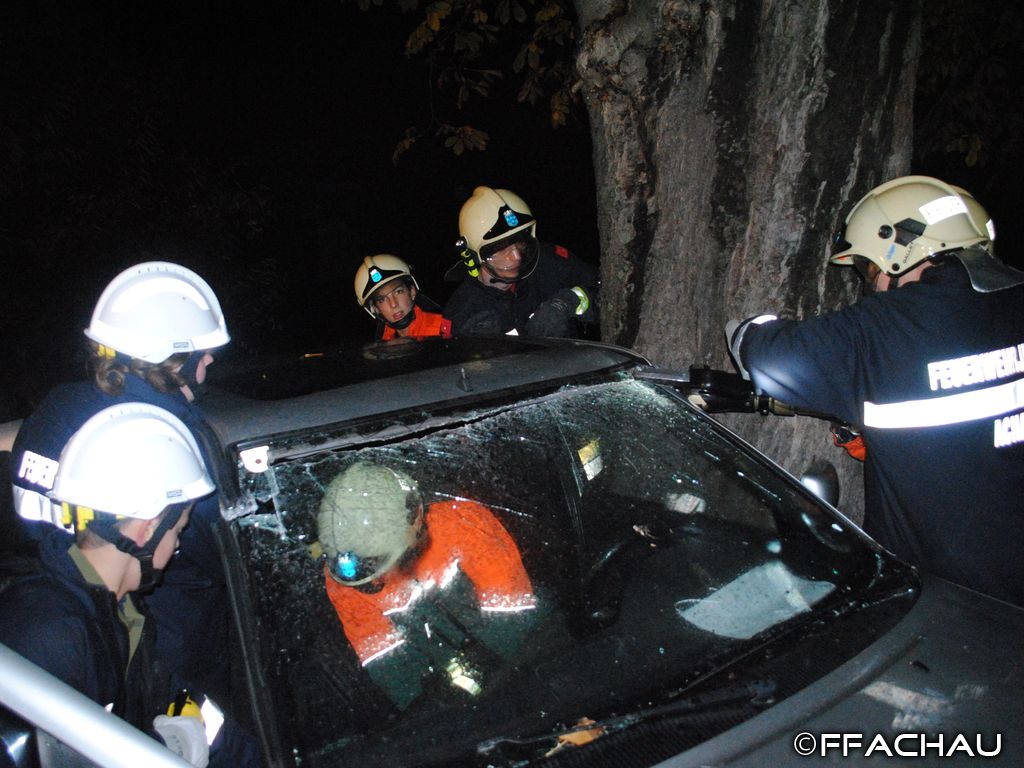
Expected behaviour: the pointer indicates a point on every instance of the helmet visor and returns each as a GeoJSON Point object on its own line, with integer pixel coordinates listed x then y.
{"type": "Point", "coordinates": [512, 259]}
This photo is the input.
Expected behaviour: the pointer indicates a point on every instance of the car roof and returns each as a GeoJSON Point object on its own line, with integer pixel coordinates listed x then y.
{"type": "Point", "coordinates": [288, 393]}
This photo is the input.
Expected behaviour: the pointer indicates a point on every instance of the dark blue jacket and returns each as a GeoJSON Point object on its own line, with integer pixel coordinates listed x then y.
{"type": "Point", "coordinates": [71, 629]}
{"type": "Point", "coordinates": [934, 373]}
{"type": "Point", "coordinates": [190, 606]}
{"type": "Point", "coordinates": [478, 309]}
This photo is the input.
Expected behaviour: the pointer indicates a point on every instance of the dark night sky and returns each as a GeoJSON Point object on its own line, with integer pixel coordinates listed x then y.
{"type": "Point", "coordinates": [252, 142]}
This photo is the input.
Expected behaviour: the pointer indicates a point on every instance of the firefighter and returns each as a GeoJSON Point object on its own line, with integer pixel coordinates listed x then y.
{"type": "Point", "coordinates": [150, 339]}
{"type": "Point", "coordinates": [423, 594]}
{"type": "Point", "coordinates": [510, 282]}
{"type": "Point", "coordinates": [387, 290]}
{"type": "Point", "coordinates": [929, 367]}
{"type": "Point", "coordinates": [847, 437]}
{"type": "Point", "coordinates": [77, 617]}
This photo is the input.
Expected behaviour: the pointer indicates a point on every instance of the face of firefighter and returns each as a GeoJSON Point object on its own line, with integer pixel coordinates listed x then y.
{"type": "Point", "coordinates": [169, 543]}
{"type": "Point", "coordinates": [394, 300]}
{"type": "Point", "coordinates": [200, 377]}
{"type": "Point", "coordinates": [203, 365]}
{"type": "Point", "coordinates": [504, 263]}
{"type": "Point", "coordinates": [877, 281]}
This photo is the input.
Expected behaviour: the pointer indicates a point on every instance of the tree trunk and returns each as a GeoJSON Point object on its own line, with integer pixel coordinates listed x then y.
{"type": "Point", "coordinates": [729, 139]}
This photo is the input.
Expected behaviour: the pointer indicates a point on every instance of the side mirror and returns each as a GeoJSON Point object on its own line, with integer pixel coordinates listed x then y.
{"type": "Point", "coordinates": [822, 480]}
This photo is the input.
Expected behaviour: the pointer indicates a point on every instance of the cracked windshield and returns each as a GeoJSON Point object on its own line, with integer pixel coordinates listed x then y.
{"type": "Point", "coordinates": [416, 599]}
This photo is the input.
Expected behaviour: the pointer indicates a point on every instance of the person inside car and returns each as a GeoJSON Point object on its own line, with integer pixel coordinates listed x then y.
{"type": "Point", "coordinates": [431, 596]}
{"type": "Point", "coordinates": [929, 367]}
{"type": "Point", "coordinates": [510, 282]}
{"type": "Point", "coordinates": [126, 484]}
{"type": "Point", "coordinates": [150, 340]}
{"type": "Point", "coordinates": [387, 290]}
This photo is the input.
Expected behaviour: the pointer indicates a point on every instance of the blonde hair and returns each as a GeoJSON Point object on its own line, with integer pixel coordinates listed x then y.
{"type": "Point", "coordinates": [109, 370]}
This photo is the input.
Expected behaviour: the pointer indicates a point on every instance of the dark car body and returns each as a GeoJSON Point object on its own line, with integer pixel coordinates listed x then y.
{"type": "Point", "coordinates": [695, 604]}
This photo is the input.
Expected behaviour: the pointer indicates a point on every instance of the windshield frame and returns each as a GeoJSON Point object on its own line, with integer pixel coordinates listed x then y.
{"type": "Point", "coordinates": [401, 427]}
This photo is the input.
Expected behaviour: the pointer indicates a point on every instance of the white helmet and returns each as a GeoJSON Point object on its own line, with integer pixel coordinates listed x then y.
{"type": "Point", "coordinates": [156, 309]}
{"type": "Point", "coordinates": [899, 224]}
{"type": "Point", "coordinates": [376, 271]}
{"type": "Point", "coordinates": [370, 516]}
{"type": "Point", "coordinates": [131, 460]}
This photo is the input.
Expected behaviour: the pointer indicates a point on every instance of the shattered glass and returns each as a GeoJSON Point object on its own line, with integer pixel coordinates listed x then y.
{"type": "Point", "coordinates": [653, 546]}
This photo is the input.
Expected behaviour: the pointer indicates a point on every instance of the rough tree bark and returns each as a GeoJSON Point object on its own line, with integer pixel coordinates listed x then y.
{"type": "Point", "coordinates": [728, 136]}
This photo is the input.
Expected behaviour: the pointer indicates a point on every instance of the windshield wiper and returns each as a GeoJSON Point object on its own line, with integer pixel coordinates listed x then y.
{"type": "Point", "coordinates": [754, 693]}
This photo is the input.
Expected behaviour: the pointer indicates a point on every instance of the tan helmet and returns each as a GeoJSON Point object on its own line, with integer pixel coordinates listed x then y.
{"type": "Point", "coordinates": [376, 271]}
{"type": "Point", "coordinates": [369, 518]}
{"type": "Point", "coordinates": [903, 222]}
{"type": "Point", "coordinates": [493, 218]}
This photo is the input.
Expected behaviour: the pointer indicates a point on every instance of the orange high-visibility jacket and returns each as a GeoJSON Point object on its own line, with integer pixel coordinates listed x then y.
{"type": "Point", "coordinates": [424, 324]}
{"type": "Point", "coordinates": [464, 536]}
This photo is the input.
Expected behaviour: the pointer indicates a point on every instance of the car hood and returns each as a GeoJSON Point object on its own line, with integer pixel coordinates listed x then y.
{"type": "Point", "coordinates": [953, 665]}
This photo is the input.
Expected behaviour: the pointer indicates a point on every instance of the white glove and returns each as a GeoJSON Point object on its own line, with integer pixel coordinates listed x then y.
{"type": "Point", "coordinates": [185, 736]}
{"type": "Point", "coordinates": [734, 330]}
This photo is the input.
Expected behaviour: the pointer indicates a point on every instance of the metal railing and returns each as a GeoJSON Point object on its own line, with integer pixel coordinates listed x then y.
{"type": "Point", "coordinates": [78, 721]}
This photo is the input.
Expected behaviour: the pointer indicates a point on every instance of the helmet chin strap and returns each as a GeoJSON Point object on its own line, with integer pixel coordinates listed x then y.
{"type": "Point", "coordinates": [404, 323]}
{"type": "Point", "coordinates": [493, 278]}
{"type": "Point", "coordinates": [150, 576]}
{"type": "Point", "coordinates": [188, 372]}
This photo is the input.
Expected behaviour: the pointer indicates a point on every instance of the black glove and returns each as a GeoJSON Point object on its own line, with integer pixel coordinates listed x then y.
{"type": "Point", "coordinates": [484, 323]}
{"type": "Point", "coordinates": [556, 317]}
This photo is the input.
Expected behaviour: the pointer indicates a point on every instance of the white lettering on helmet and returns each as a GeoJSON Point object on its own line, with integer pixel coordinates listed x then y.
{"type": "Point", "coordinates": [38, 470]}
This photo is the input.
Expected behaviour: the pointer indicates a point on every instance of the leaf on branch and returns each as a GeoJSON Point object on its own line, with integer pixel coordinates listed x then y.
{"type": "Point", "coordinates": [464, 138]}
{"type": "Point", "coordinates": [502, 12]}
{"type": "Point", "coordinates": [530, 91]}
{"type": "Point", "coordinates": [520, 60]}
{"type": "Point", "coordinates": [456, 34]}
{"type": "Point", "coordinates": [478, 139]}
{"type": "Point", "coordinates": [468, 41]}
{"type": "Point", "coordinates": [420, 37]}
{"type": "Point", "coordinates": [533, 55]}
{"type": "Point", "coordinates": [559, 109]}
{"type": "Point", "coordinates": [435, 13]}
{"type": "Point", "coordinates": [548, 12]}
{"type": "Point", "coordinates": [411, 134]}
